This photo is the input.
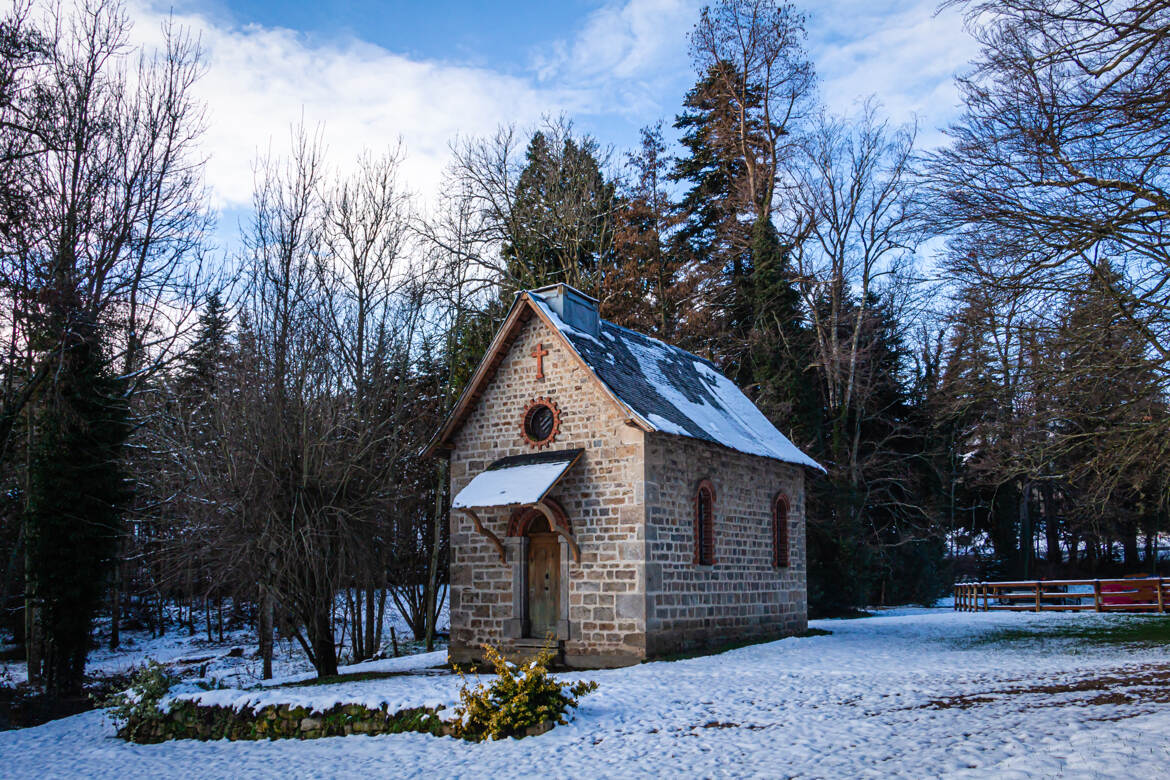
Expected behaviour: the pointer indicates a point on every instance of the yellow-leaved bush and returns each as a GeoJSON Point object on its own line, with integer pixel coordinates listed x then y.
{"type": "Point", "coordinates": [519, 698]}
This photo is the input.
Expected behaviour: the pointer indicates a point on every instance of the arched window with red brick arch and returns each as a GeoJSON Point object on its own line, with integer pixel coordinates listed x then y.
{"type": "Point", "coordinates": [780, 531]}
{"type": "Point", "coordinates": [705, 524]}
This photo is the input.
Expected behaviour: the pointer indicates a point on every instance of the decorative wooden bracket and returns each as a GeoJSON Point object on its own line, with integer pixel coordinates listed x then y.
{"type": "Point", "coordinates": [564, 532]}
{"type": "Point", "coordinates": [495, 540]}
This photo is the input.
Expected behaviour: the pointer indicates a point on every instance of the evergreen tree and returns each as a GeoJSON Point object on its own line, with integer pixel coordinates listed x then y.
{"type": "Point", "coordinates": [714, 235]}
{"type": "Point", "coordinates": [77, 490]}
{"type": "Point", "coordinates": [781, 343]}
{"type": "Point", "coordinates": [1106, 393]}
{"type": "Point", "coordinates": [644, 287]}
{"type": "Point", "coordinates": [560, 225]}
{"type": "Point", "coordinates": [209, 352]}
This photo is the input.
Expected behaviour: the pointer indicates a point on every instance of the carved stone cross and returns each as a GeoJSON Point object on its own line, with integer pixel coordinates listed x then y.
{"type": "Point", "coordinates": [539, 354]}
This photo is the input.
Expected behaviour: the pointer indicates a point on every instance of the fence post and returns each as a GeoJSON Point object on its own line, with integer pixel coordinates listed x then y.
{"type": "Point", "coordinates": [1037, 595]}
{"type": "Point", "coordinates": [985, 607]}
{"type": "Point", "coordinates": [1097, 595]}
{"type": "Point", "coordinates": [1161, 603]}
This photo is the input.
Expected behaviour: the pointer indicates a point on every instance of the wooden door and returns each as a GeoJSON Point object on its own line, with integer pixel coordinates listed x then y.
{"type": "Point", "coordinates": [544, 584]}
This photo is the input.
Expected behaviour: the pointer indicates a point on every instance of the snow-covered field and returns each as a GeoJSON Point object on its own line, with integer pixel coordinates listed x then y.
{"type": "Point", "coordinates": [910, 693]}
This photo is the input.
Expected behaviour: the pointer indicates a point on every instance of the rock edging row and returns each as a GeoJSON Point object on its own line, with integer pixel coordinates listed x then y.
{"type": "Point", "coordinates": [188, 720]}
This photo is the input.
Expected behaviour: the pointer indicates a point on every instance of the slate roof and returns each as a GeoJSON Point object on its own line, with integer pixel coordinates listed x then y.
{"type": "Point", "coordinates": [676, 392]}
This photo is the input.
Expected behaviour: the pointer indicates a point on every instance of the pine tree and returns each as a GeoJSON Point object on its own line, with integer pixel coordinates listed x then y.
{"type": "Point", "coordinates": [781, 344]}
{"type": "Point", "coordinates": [77, 490]}
{"type": "Point", "coordinates": [561, 220]}
{"type": "Point", "coordinates": [208, 353]}
{"type": "Point", "coordinates": [644, 286]}
{"type": "Point", "coordinates": [714, 235]}
{"type": "Point", "coordinates": [1106, 392]}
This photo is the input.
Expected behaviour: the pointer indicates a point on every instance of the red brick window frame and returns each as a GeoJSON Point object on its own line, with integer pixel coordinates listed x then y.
{"type": "Point", "coordinates": [544, 432]}
{"type": "Point", "coordinates": [780, 531]}
{"type": "Point", "coordinates": [705, 524]}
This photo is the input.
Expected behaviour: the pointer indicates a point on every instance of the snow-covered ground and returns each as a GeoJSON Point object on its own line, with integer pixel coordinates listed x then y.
{"type": "Point", "coordinates": [909, 693]}
{"type": "Point", "coordinates": [192, 655]}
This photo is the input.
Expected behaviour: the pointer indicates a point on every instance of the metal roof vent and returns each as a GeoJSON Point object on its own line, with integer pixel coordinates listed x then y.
{"type": "Point", "coordinates": [575, 308]}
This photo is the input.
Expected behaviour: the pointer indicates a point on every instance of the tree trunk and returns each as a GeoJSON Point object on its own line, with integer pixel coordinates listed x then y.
{"type": "Point", "coordinates": [353, 604]}
{"type": "Point", "coordinates": [381, 617]}
{"type": "Point", "coordinates": [324, 650]}
{"type": "Point", "coordinates": [33, 639]}
{"type": "Point", "coordinates": [432, 588]}
{"type": "Point", "coordinates": [1027, 543]}
{"type": "Point", "coordinates": [1129, 544]}
{"type": "Point", "coordinates": [371, 643]}
{"type": "Point", "coordinates": [116, 602]}
{"type": "Point", "coordinates": [1051, 527]}
{"type": "Point", "coordinates": [264, 621]}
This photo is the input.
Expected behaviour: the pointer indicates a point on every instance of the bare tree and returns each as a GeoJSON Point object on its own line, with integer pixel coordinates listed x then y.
{"type": "Point", "coordinates": [754, 49]}
{"type": "Point", "coordinates": [544, 213]}
{"type": "Point", "coordinates": [855, 205]}
{"type": "Point", "coordinates": [1062, 156]}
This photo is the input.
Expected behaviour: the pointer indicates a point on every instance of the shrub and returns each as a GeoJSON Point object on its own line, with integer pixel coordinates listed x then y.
{"type": "Point", "coordinates": [137, 707]}
{"type": "Point", "coordinates": [517, 700]}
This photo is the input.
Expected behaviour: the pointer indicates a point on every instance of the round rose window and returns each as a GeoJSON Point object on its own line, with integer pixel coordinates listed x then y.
{"type": "Point", "coordinates": [542, 422]}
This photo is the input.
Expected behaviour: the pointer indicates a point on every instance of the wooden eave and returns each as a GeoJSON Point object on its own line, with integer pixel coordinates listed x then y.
{"type": "Point", "coordinates": [521, 312]}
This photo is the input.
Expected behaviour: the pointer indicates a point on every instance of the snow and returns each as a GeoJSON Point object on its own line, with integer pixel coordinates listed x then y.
{"type": "Point", "coordinates": [874, 699]}
{"type": "Point", "coordinates": [424, 691]}
{"type": "Point", "coordinates": [737, 424]}
{"type": "Point", "coordinates": [524, 484]}
{"type": "Point", "coordinates": [190, 655]}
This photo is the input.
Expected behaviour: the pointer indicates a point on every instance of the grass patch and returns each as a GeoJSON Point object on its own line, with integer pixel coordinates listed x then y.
{"type": "Point", "coordinates": [1145, 686]}
{"type": "Point", "coordinates": [846, 614]}
{"type": "Point", "coordinates": [728, 647]}
{"type": "Point", "coordinates": [1140, 630]}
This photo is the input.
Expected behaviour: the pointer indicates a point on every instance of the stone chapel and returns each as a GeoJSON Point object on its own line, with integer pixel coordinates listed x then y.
{"type": "Point", "coordinates": [616, 495]}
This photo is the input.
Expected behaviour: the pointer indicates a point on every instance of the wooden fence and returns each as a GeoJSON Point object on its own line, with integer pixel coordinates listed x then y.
{"type": "Point", "coordinates": [1145, 594]}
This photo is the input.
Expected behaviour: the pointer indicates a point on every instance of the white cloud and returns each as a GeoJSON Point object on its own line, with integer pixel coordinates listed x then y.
{"type": "Point", "coordinates": [632, 41]}
{"type": "Point", "coordinates": [903, 53]}
{"type": "Point", "coordinates": [259, 81]}
{"type": "Point", "coordinates": [627, 65]}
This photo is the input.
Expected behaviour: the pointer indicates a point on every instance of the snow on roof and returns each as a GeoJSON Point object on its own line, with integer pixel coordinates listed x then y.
{"type": "Point", "coordinates": [520, 479]}
{"type": "Point", "coordinates": [676, 392]}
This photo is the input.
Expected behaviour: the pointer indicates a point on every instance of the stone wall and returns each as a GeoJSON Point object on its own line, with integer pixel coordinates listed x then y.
{"type": "Point", "coordinates": [742, 595]}
{"type": "Point", "coordinates": [602, 496]}
{"type": "Point", "coordinates": [187, 720]}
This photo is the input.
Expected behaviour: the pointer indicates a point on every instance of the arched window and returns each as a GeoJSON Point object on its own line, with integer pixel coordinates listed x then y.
{"type": "Point", "coordinates": [780, 530]}
{"type": "Point", "coordinates": [705, 524]}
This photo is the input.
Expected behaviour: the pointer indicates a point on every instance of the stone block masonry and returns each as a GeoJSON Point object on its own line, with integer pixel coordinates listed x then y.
{"type": "Point", "coordinates": [636, 591]}
{"type": "Point", "coordinates": [601, 495]}
{"type": "Point", "coordinates": [742, 595]}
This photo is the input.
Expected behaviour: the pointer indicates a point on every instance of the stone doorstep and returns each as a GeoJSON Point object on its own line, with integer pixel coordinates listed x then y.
{"type": "Point", "coordinates": [526, 648]}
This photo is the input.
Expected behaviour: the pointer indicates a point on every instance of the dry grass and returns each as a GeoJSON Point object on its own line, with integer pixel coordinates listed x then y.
{"type": "Point", "coordinates": [1146, 685]}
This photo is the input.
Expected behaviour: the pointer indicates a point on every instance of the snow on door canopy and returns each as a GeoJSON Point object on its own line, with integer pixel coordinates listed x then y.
{"type": "Point", "coordinates": [517, 480]}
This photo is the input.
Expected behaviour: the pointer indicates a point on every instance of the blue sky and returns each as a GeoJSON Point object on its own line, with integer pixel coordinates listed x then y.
{"type": "Point", "coordinates": [485, 33]}
{"type": "Point", "coordinates": [425, 73]}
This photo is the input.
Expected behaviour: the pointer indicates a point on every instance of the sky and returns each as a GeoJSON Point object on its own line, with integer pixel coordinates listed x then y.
{"type": "Point", "coordinates": [371, 74]}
